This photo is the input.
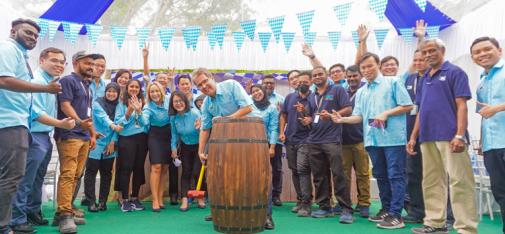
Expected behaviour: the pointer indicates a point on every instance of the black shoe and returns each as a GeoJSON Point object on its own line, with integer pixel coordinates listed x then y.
{"type": "Point", "coordinates": [276, 201]}
{"type": "Point", "coordinates": [173, 200]}
{"type": "Point", "coordinates": [23, 228]}
{"type": "Point", "coordinates": [36, 219]}
{"type": "Point", "coordinates": [208, 218]}
{"type": "Point", "coordinates": [102, 206]}
{"type": "Point", "coordinates": [269, 223]}
{"type": "Point", "coordinates": [85, 202]}
{"type": "Point", "coordinates": [93, 208]}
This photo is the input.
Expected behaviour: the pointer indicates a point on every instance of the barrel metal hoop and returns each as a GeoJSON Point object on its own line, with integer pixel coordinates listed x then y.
{"type": "Point", "coordinates": [239, 140]}
{"type": "Point", "coordinates": [245, 208]}
{"type": "Point", "coordinates": [227, 229]}
{"type": "Point", "coordinates": [237, 120]}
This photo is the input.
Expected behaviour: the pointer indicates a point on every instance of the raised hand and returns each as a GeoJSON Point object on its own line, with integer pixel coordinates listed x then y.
{"type": "Point", "coordinates": [363, 32]}
{"type": "Point", "coordinates": [299, 107]}
{"type": "Point", "coordinates": [307, 51]}
{"type": "Point", "coordinates": [420, 29]}
{"type": "Point", "coordinates": [54, 86]}
{"type": "Point", "coordinates": [145, 51]}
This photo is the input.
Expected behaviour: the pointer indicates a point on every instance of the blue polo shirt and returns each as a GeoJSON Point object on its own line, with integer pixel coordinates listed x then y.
{"type": "Point", "coordinates": [183, 128]}
{"type": "Point", "coordinates": [270, 117]}
{"type": "Point", "coordinates": [295, 132]}
{"type": "Point", "coordinates": [230, 97]}
{"type": "Point", "coordinates": [278, 101]}
{"type": "Point", "coordinates": [156, 115]}
{"type": "Point", "coordinates": [132, 125]}
{"type": "Point", "coordinates": [42, 103]}
{"type": "Point", "coordinates": [490, 91]}
{"type": "Point", "coordinates": [14, 106]}
{"type": "Point", "coordinates": [97, 90]}
{"type": "Point", "coordinates": [102, 122]}
{"type": "Point", "coordinates": [382, 94]}
{"type": "Point", "coordinates": [352, 133]}
{"type": "Point", "coordinates": [436, 98]}
{"type": "Point", "coordinates": [326, 131]}
{"type": "Point", "coordinates": [412, 82]}
{"type": "Point", "coordinates": [76, 91]}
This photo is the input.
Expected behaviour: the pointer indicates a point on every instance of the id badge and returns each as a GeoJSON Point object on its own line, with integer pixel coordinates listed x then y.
{"type": "Point", "coordinates": [316, 119]}
{"type": "Point", "coordinates": [414, 110]}
{"type": "Point", "coordinates": [89, 112]}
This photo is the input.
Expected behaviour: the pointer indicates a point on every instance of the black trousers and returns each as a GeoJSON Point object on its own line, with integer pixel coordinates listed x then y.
{"type": "Point", "coordinates": [494, 160]}
{"type": "Point", "coordinates": [414, 202]}
{"type": "Point", "coordinates": [132, 156]}
{"type": "Point", "coordinates": [190, 167]}
{"type": "Point", "coordinates": [276, 163]}
{"type": "Point", "coordinates": [298, 162]}
{"type": "Point", "coordinates": [93, 166]}
{"type": "Point", "coordinates": [324, 157]}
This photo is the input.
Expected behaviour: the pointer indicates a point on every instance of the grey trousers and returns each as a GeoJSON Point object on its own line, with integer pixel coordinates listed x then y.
{"type": "Point", "coordinates": [14, 143]}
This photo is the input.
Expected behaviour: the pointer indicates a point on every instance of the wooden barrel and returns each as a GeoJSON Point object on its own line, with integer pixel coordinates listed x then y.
{"type": "Point", "coordinates": [238, 174]}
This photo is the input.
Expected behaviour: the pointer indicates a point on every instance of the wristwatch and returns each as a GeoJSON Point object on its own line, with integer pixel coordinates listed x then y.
{"type": "Point", "coordinates": [78, 123]}
{"type": "Point", "coordinates": [461, 138]}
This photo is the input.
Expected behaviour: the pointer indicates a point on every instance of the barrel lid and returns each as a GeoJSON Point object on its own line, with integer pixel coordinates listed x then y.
{"type": "Point", "coordinates": [237, 120]}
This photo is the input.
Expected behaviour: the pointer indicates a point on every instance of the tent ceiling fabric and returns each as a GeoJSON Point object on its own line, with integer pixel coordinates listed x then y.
{"type": "Point", "coordinates": [77, 11]}
{"type": "Point", "coordinates": [456, 9]}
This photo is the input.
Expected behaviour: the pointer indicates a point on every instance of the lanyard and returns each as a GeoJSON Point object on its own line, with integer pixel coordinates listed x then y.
{"type": "Point", "coordinates": [318, 105]}
{"type": "Point", "coordinates": [88, 102]}
{"type": "Point", "coordinates": [351, 99]}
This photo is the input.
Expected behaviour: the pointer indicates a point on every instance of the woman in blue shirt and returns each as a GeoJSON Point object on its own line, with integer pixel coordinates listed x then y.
{"type": "Point", "coordinates": [268, 112]}
{"type": "Point", "coordinates": [185, 134]}
{"type": "Point", "coordinates": [132, 144]}
{"type": "Point", "coordinates": [185, 86]}
{"type": "Point", "coordinates": [155, 115]}
{"type": "Point", "coordinates": [102, 157]}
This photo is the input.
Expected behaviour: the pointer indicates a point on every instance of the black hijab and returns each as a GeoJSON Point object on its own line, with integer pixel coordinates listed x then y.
{"type": "Point", "coordinates": [109, 106]}
{"type": "Point", "coordinates": [263, 103]}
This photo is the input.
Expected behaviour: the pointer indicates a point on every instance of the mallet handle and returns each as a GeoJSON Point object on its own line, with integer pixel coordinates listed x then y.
{"type": "Point", "coordinates": [200, 178]}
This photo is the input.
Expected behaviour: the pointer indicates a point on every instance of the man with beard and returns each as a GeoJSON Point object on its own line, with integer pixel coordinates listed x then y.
{"type": "Point", "coordinates": [293, 132]}
{"type": "Point", "coordinates": [15, 86]}
{"type": "Point", "coordinates": [73, 145]}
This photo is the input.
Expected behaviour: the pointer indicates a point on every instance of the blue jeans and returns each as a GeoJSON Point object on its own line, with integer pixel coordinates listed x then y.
{"type": "Point", "coordinates": [28, 190]}
{"type": "Point", "coordinates": [389, 170]}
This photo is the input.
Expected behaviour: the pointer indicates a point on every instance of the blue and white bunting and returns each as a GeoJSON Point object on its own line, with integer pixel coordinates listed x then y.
{"type": "Point", "coordinates": [407, 34]}
{"type": "Point", "coordinates": [264, 39]}
{"type": "Point", "coordinates": [71, 31]}
{"type": "Point", "coordinates": [379, 8]}
{"type": "Point", "coordinates": [380, 36]}
{"type": "Point", "coordinates": [309, 38]}
{"type": "Point", "coordinates": [238, 37]}
{"type": "Point", "coordinates": [342, 12]}
{"type": "Point", "coordinates": [287, 38]}
{"type": "Point", "coordinates": [355, 38]}
{"type": "Point", "coordinates": [219, 30]}
{"type": "Point", "coordinates": [142, 35]}
{"type": "Point", "coordinates": [305, 19]}
{"type": "Point", "coordinates": [249, 27]}
{"type": "Point", "coordinates": [211, 36]}
{"type": "Point", "coordinates": [118, 34]}
{"type": "Point", "coordinates": [166, 35]}
{"type": "Point", "coordinates": [276, 25]}
{"type": "Point", "coordinates": [334, 38]}
{"type": "Point", "coordinates": [44, 25]}
{"type": "Point", "coordinates": [421, 4]}
{"type": "Point", "coordinates": [93, 31]}
{"type": "Point", "coordinates": [433, 31]}
{"type": "Point", "coordinates": [191, 35]}
{"type": "Point", "coordinates": [52, 29]}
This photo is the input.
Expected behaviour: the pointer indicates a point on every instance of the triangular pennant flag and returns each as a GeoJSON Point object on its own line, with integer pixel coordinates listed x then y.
{"type": "Point", "coordinates": [142, 35]}
{"type": "Point", "coordinates": [287, 38]}
{"type": "Point", "coordinates": [342, 12]}
{"type": "Point", "coordinates": [380, 35]}
{"type": "Point", "coordinates": [379, 7]}
{"type": "Point", "coordinates": [309, 38]}
{"type": "Point", "coordinates": [421, 4]}
{"type": "Point", "coordinates": [191, 35]}
{"type": "Point", "coordinates": [219, 30]}
{"type": "Point", "coordinates": [433, 31]}
{"type": "Point", "coordinates": [249, 27]}
{"type": "Point", "coordinates": [52, 29]}
{"type": "Point", "coordinates": [355, 38]}
{"type": "Point", "coordinates": [212, 39]}
{"type": "Point", "coordinates": [264, 39]}
{"type": "Point", "coordinates": [238, 37]}
{"type": "Point", "coordinates": [118, 33]}
{"type": "Point", "coordinates": [71, 31]}
{"type": "Point", "coordinates": [305, 19]}
{"type": "Point", "coordinates": [407, 34]}
{"type": "Point", "coordinates": [276, 26]}
{"type": "Point", "coordinates": [166, 35]}
{"type": "Point", "coordinates": [334, 38]}
{"type": "Point", "coordinates": [93, 31]}
{"type": "Point", "coordinates": [44, 25]}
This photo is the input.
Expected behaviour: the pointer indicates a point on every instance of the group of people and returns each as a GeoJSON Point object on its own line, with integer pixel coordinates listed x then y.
{"type": "Point", "coordinates": [412, 127]}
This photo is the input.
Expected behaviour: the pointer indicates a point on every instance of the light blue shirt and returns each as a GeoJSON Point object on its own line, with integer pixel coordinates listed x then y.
{"type": "Point", "coordinates": [97, 91]}
{"type": "Point", "coordinates": [230, 97]}
{"type": "Point", "coordinates": [278, 101]}
{"type": "Point", "coordinates": [14, 106]}
{"type": "Point", "coordinates": [491, 91]}
{"type": "Point", "coordinates": [183, 128]}
{"type": "Point", "coordinates": [102, 122]}
{"type": "Point", "coordinates": [132, 125]}
{"type": "Point", "coordinates": [382, 94]}
{"type": "Point", "coordinates": [270, 117]}
{"type": "Point", "coordinates": [42, 103]}
{"type": "Point", "coordinates": [156, 115]}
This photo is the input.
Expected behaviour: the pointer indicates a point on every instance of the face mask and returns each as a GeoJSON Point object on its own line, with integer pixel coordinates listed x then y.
{"type": "Point", "coordinates": [303, 88]}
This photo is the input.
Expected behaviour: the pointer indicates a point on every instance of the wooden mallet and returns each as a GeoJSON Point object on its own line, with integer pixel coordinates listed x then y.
{"type": "Point", "coordinates": [197, 193]}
